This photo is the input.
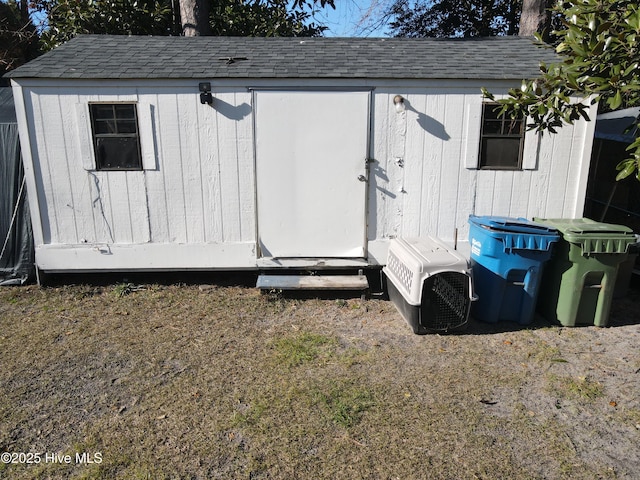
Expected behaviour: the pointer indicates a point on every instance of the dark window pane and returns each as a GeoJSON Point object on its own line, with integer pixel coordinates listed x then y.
{"type": "Point", "coordinates": [500, 153]}
{"type": "Point", "coordinates": [490, 112]}
{"type": "Point", "coordinates": [104, 127]}
{"type": "Point", "coordinates": [125, 112]}
{"type": "Point", "coordinates": [101, 111]}
{"type": "Point", "coordinates": [118, 153]}
{"type": "Point", "coordinates": [127, 126]}
{"type": "Point", "coordinates": [492, 127]}
{"type": "Point", "coordinates": [513, 127]}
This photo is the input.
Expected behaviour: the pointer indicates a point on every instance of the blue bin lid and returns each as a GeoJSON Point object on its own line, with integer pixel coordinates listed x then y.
{"type": "Point", "coordinates": [517, 233]}
{"type": "Point", "coordinates": [512, 225]}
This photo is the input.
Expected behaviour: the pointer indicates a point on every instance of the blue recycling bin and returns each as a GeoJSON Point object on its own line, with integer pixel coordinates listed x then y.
{"type": "Point", "coordinates": [507, 261]}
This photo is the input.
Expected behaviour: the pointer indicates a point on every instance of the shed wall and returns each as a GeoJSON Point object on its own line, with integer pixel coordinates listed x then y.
{"type": "Point", "coordinates": [194, 207]}
{"type": "Point", "coordinates": [191, 196]}
{"type": "Point", "coordinates": [426, 180]}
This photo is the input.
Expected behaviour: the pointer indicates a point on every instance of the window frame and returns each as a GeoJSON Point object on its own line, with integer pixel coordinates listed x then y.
{"type": "Point", "coordinates": [94, 121]}
{"type": "Point", "coordinates": [483, 163]}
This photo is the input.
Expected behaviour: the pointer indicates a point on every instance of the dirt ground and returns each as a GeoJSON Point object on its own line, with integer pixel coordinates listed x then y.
{"type": "Point", "coordinates": [215, 380]}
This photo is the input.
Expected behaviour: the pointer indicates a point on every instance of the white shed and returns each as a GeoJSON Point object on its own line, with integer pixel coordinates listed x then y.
{"type": "Point", "coordinates": [175, 153]}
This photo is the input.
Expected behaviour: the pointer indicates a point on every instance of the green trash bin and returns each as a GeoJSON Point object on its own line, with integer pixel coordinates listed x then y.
{"type": "Point", "coordinates": [579, 280]}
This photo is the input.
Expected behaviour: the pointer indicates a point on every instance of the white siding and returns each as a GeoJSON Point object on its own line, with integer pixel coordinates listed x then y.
{"type": "Point", "coordinates": [439, 186]}
{"type": "Point", "coordinates": [198, 187]}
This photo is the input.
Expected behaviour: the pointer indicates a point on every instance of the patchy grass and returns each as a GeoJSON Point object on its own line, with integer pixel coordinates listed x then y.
{"type": "Point", "coordinates": [579, 388]}
{"type": "Point", "coordinates": [344, 402]}
{"type": "Point", "coordinates": [295, 350]}
{"type": "Point", "coordinates": [126, 288]}
{"type": "Point", "coordinates": [169, 381]}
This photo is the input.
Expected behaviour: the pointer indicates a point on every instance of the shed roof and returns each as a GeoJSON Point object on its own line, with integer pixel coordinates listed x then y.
{"type": "Point", "coordinates": [139, 57]}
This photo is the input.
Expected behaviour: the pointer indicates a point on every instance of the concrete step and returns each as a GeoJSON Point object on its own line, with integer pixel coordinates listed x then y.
{"type": "Point", "coordinates": [312, 282]}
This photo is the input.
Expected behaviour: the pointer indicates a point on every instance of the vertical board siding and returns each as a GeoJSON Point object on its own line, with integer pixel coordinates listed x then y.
{"type": "Point", "coordinates": [245, 183]}
{"type": "Point", "coordinates": [520, 192]}
{"type": "Point", "coordinates": [200, 187]}
{"type": "Point", "coordinates": [384, 177]}
{"type": "Point", "coordinates": [49, 207]}
{"type": "Point", "coordinates": [199, 191]}
{"type": "Point", "coordinates": [412, 211]}
{"type": "Point", "coordinates": [573, 173]}
{"type": "Point", "coordinates": [229, 173]}
{"type": "Point", "coordinates": [450, 136]}
{"type": "Point", "coordinates": [170, 177]}
{"type": "Point", "coordinates": [431, 178]}
{"type": "Point", "coordinates": [190, 168]}
{"type": "Point", "coordinates": [440, 184]}
{"type": "Point", "coordinates": [470, 117]}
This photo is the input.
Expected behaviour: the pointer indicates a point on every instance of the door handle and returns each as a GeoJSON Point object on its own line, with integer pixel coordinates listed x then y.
{"type": "Point", "coordinates": [362, 178]}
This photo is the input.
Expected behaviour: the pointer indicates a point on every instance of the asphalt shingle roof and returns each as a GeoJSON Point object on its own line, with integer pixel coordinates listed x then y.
{"type": "Point", "coordinates": [115, 57]}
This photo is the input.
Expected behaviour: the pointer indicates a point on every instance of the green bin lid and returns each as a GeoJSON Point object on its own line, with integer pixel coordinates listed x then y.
{"type": "Point", "coordinates": [592, 236]}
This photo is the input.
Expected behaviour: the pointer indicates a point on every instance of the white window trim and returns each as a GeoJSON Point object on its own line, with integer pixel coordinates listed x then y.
{"type": "Point", "coordinates": [146, 136]}
{"type": "Point", "coordinates": [473, 131]}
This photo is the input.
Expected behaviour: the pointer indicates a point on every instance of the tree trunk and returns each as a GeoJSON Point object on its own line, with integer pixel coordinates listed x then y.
{"type": "Point", "coordinates": [536, 17]}
{"type": "Point", "coordinates": [24, 11]}
{"type": "Point", "coordinates": [194, 15]}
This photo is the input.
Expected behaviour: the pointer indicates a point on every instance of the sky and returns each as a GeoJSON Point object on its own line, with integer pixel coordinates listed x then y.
{"type": "Point", "coordinates": [353, 18]}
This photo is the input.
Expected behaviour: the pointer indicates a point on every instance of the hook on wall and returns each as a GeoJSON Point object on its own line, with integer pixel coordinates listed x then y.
{"type": "Point", "coordinates": [398, 101]}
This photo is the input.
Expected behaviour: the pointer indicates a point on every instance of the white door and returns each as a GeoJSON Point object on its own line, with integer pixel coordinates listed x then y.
{"type": "Point", "coordinates": [311, 172]}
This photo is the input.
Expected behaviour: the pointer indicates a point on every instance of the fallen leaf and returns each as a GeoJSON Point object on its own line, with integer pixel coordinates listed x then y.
{"type": "Point", "coordinates": [508, 342]}
{"type": "Point", "coordinates": [613, 403]}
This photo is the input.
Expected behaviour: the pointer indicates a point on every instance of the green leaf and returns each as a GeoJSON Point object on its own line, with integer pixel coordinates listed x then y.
{"type": "Point", "coordinates": [488, 95]}
{"type": "Point", "coordinates": [626, 168]}
{"type": "Point", "coordinates": [604, 27]}
{"type": "Point", "coordinates": [598, 48]}
{"type": "Point", "coordinates": [542, 109]}
{"type": "Point", "coordinates": [630, 69]}
{"type": "Point", "coordinates": [633, 20]}
{"type": "Point", "coordinates": [615, 101]}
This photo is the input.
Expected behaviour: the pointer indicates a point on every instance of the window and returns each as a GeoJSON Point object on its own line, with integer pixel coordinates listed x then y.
{"type": "Point", "coordinates": [115, 136]}
{"type": "Point", "coordinates": [501, 140]}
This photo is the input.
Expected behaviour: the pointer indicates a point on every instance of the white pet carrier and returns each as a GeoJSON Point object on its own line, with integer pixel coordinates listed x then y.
{"type": "Point", "coordinates": [429, 283]}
